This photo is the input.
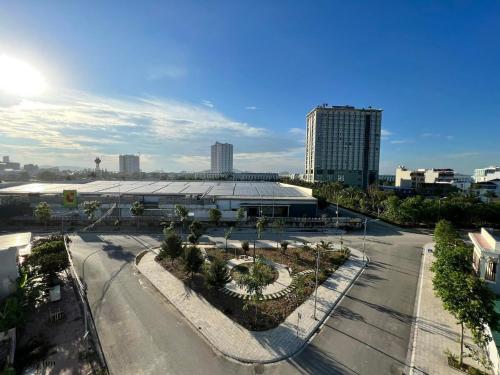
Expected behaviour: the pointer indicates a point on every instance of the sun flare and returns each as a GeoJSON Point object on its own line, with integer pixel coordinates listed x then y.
{"type": "Point", "coordinates": [18, 78]}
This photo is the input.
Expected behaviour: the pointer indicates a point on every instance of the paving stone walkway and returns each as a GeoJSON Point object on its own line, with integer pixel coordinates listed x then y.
{"type": "Point", "coordinates": [233, 340]}
{"type": "Point", "coordinates": [281, 284]}
{"type": "Point", "coordinates": [435, 329]}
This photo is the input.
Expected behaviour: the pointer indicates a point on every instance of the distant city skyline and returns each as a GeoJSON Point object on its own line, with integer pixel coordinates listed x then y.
{"type": "Point", "coordinates": [152, 84]}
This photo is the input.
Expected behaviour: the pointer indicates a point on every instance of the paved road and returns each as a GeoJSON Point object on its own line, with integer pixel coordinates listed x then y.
{"type": "Point", "coordinates": [140, 333]}
{"type": "Point", "coordinates": [368, 333]}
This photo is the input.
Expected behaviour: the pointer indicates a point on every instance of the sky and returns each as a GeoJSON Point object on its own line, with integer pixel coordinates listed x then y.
{"type": "Point", "coordinates": [166, 79]}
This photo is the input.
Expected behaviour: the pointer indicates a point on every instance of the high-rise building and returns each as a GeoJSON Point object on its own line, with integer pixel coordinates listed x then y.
{"type": "Point", "coordinates": [129, 164]}
{"type": "Point", "coordinates": [222, 158]}
{"type": "Point", "coordinates": [343, 144]}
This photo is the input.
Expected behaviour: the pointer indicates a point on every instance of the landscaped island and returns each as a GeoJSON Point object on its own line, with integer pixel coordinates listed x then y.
{"type": "Point", "coordinates": [258, 288]}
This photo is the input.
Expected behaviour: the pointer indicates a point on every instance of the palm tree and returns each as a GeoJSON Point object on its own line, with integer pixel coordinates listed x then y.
{"type": "Point", "coordinates": [255, 281]}
{"type": "Point", "coordinates": [227, 236]}
{"type": "Point", "coordinates": [137, 210]}
{"type": "Point", "coordinates": [240, 215]}
{"type": "Point", "coordinates": [278, 225]}
{"type": "Point", "coordinates": [182, 213]}
{"type": "Point", "coordinates": [43, 212]}
{"type": "Point", "coordinates": [90, 207]}
{"type": "Point", "coordinates": [214, 215]}
{"type": "Point", "coordinates": [260, 225]}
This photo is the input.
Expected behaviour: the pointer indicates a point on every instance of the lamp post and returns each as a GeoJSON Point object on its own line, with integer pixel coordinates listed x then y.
{"type": "Point", "coordinates": [364, 239]}
{"type": "Point", "coordinates": [318, 252]}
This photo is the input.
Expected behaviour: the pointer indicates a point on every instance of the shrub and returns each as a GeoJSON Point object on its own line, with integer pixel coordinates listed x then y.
{"type": "Point", "coordinates": [217, 274]}
{"type": "Point", "coordinates": [193, 260]}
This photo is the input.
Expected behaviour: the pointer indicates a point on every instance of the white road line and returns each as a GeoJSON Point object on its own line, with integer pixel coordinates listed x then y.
{"type": "Point", "coordinates": [417, 313]}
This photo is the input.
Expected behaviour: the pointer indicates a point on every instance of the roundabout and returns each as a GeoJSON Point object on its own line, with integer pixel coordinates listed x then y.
{"type": "Point", "coordinates": [282, 285]}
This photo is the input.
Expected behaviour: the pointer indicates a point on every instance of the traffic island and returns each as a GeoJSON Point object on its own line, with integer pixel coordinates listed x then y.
{"type": "Point", "coordinates": [236, 341]}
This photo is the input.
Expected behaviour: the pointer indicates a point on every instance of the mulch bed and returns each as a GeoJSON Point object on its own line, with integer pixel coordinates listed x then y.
{"type": "Point", "coordinates": [269, 313]}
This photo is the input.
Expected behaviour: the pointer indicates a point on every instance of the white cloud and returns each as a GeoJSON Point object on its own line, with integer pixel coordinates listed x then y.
{"type": "Point", "coordinates": [297, 131]}
{"type": "Point", "coordinates": [401, 141]}
{"type": "Point", "coordinates": [167, 71]}
{"type": "Point", "coordinates": [250, 108]}
{"type": "Point", "coordinates": [386, 133]}
{"type": "Point", "coordinates": [74, 127]}
{"type": "Point", "coordinates": [207, 103]}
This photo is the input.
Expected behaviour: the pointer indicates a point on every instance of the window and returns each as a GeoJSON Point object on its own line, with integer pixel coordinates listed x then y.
{"type": "Point", "coordinates": [491, 271]}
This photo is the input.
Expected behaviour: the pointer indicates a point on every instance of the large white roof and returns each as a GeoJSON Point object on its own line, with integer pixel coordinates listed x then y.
{"type": "Point", "coordinates": [232, 189]}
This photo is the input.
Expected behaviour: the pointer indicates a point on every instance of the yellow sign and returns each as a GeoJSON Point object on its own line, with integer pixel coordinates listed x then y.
{"type": "Point", "coordinates": [69, 198]}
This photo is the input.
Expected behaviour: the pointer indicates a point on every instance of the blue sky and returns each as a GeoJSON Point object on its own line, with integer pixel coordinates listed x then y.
{"type": "Point", "coordinates": [167, 79]}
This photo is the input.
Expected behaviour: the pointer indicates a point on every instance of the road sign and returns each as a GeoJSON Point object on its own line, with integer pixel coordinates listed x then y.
{"type": "Point", "coordinates": [69, 199]}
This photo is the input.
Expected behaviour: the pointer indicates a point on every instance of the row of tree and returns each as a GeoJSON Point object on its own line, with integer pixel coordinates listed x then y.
{"type": "Point", "coordinates": [460, 209]}
{"type": "Point", "coordinates": [463, 293]}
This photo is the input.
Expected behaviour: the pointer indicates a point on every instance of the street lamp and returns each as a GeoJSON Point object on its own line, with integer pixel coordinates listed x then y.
{"type": "Point", "coordinates": [318, 252]}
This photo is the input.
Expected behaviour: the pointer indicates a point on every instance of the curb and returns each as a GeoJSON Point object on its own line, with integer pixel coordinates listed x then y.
{"type": "Point", "coordinates": [305, 341]}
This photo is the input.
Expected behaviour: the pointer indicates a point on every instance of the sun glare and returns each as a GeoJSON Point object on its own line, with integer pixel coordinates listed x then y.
{"type": "Point", "coordinates": [19, 78]}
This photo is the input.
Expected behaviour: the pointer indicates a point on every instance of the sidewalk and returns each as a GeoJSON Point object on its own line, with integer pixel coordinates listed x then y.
{"type": "Point", "coordinates": [435, 329]}
{"type": "Point", "coordinates": [237, 342]}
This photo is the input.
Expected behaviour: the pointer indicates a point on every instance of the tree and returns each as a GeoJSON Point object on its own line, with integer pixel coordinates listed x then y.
{"type": "Point", "coordinates": [227, 236]}
{"type": "Point", "coordinates": [217, 274]}
{"type": "Point", "coordinates": [240, 215]}
{"type": "Point", "coordinates": [444, 231]}
{"type": "Point", "coordinates": [49, 258]}
{"type": "Point", "coordinates": [245, 246]}
{"type": "Point", "coordinates": [214, 215]}
{"type": "Point", "coordinates": [278, 225]}
{"type": "Point", "coordinates": [182, 213]}
{"type": "Point", "coordinates": [171, 246]}
{"type": "Point", "coordinates": [43, 212]}
{"type": "Point", "coordinates": [254, 282]}
{"type": "Point", "coordinates": [137, 210]}
{"type": "Point", "coordinates": [193, 260]}
{"type": "Point", "coordinates": [196, 228]}
{"type": "Point", "coordinates": [463, 294]}
{"type": "Point", "coordinates": [90, 207]}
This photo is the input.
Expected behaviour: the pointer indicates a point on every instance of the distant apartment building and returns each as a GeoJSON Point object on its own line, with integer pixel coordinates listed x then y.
{"type": "Point", "coordinates": [6, 164]}
{"type": "Point", "coordinates": [221, 158]}
{"type": "Point", "coordinates": [486, 174]}
{"type": "Point", "coordinates": [343, 144]}
{"type": "Point", "coordinates": [387, 178]}
{"type": "Point", "coordinates": [31, 169]}
{"type": "Point", "coordinates": [129, 164]}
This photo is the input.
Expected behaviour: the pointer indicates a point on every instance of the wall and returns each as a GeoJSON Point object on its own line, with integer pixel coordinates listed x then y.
{"type": "Point", "coordinates": [8, 271]}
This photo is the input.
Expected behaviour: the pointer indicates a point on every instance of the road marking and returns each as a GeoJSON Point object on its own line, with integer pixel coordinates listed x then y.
{"type": "Point", "coordinates": [417, 312]}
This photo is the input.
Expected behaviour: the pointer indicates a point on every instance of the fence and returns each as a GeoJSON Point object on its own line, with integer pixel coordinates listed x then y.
{"type": "Point", "coordinates": [90, 328]}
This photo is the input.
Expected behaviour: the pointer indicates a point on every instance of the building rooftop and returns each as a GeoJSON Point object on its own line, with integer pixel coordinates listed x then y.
{"type": "Point", "coordinates": [20, 241]}
{"type": "Point", "coordinates": [184, 188]}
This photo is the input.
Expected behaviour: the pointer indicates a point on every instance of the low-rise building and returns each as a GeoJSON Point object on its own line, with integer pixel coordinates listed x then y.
{"type": "Point", "coordinates": [487, 190]}
{"type": "Point", "coordinates": [421, 177]}
{"type": "Point", "coordinates": [486, 257]}
{"type": "Point", "coordinates": [407, 178]}
{"type": "Point", "coordinates": [486, 174]}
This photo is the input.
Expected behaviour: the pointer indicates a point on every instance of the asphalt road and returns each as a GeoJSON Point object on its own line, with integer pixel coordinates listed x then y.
{"type": "Point", "coordinates": [141, 333]}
